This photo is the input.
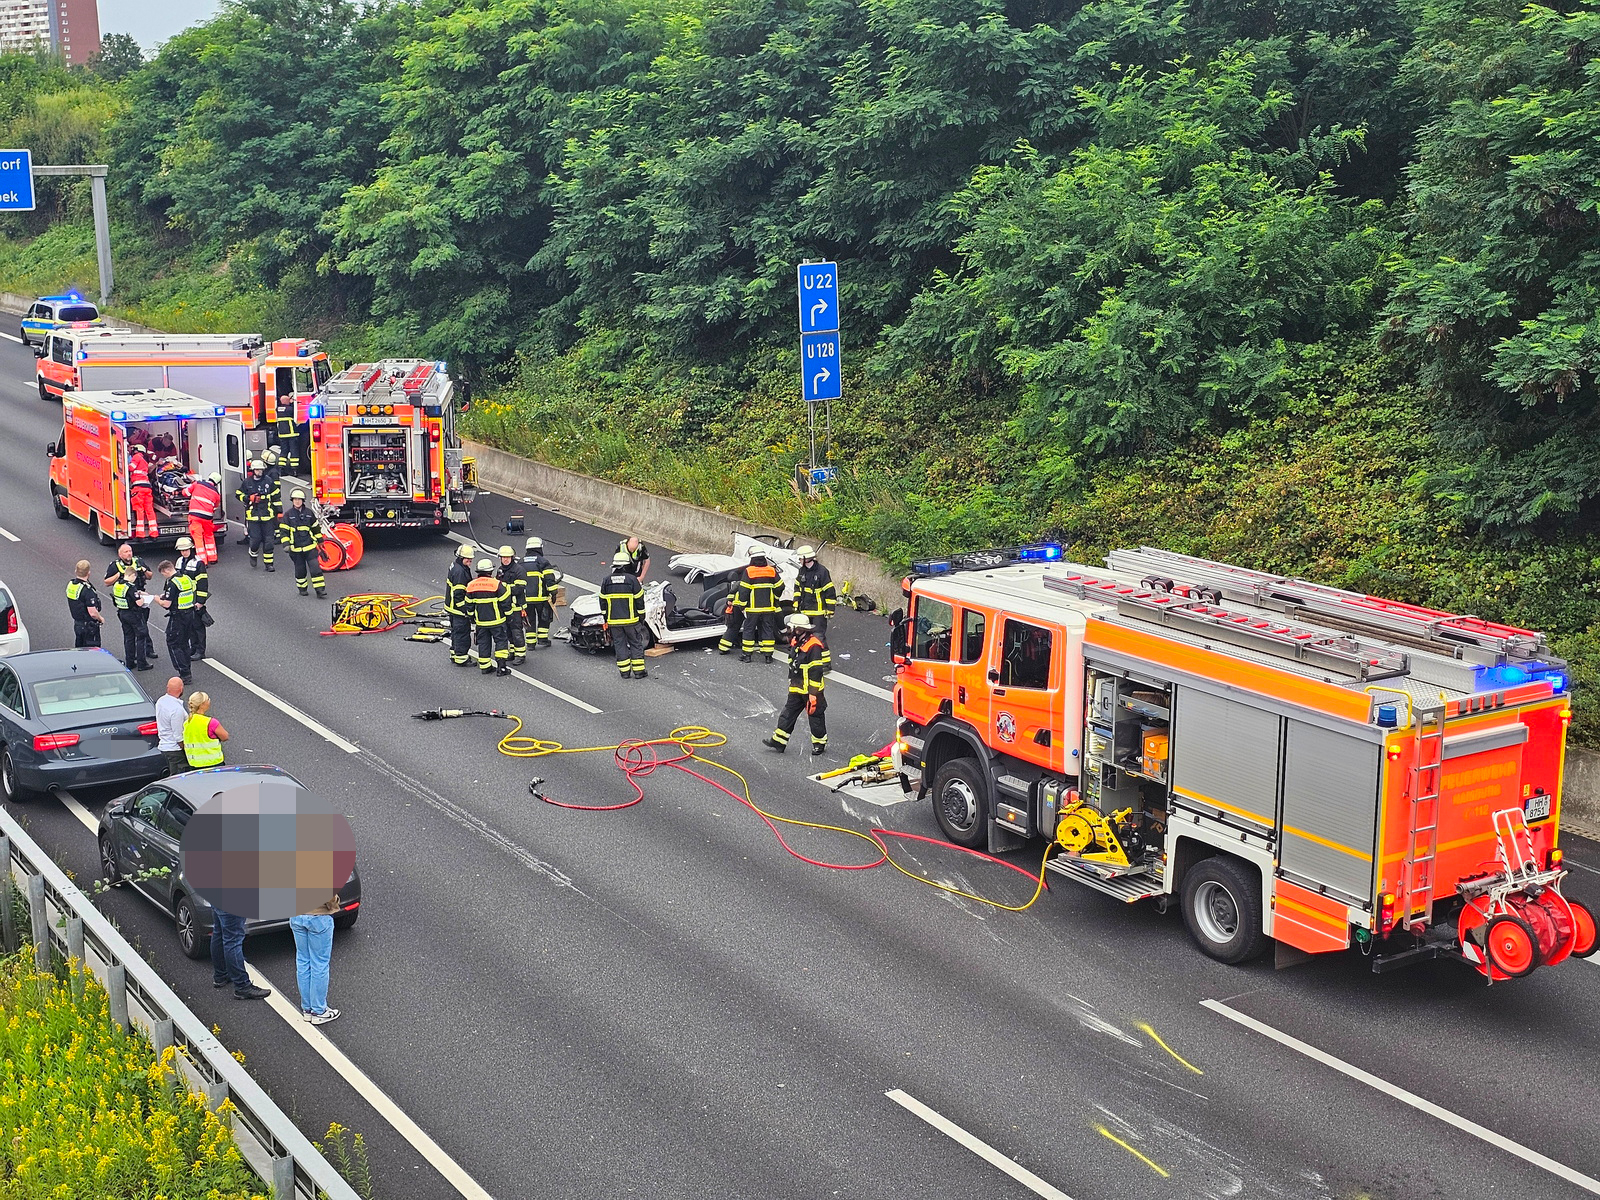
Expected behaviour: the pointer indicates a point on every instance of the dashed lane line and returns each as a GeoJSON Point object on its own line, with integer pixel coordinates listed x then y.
{"type": "Point", "coordinates": [8, 535]}
{"type": "Point", "coordinates": [283, 706]}
{"type": "Point", "coordinates": [977, 1145]}
{"type": "Point", "coordinates": [1499, 1141]}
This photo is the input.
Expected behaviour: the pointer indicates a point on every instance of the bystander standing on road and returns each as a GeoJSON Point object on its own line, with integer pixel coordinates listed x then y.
{"type": "Point", "coordinates": [170, 716]}
{"type": "Point", "coordinates": [203, 734]}
{"type": "Point", "coordinates": [313, 950]}
{"type": "Point", "coordinates": [227, 956]}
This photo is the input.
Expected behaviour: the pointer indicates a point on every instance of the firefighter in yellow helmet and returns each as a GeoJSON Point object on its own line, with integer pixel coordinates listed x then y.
{"type": "Point", "coordinates": [457, 609]}
{"type": "Point", "coordinates": [489, 601]}
{"type": "Point", "coordinates": [300, 532]}
{"type": "Point", "coordinates": [622, 601]}
{"type": "Point", "coordinates": [805, 686]}
{"type": "Point", "coordinates": [511, 575]}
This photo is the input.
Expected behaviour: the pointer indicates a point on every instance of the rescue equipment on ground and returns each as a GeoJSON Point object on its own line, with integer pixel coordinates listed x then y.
{"type": "Point", "coordinates": [379, 612]}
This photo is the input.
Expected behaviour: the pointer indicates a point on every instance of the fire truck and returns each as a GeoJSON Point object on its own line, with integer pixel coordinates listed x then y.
{"type": "Point", "coordinates": [1295, 765]}
{"type": "Point", "coordinates": [89, 463]}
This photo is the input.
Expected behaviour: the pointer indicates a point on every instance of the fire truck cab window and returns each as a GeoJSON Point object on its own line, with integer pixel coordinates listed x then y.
{"type": "Point", "coordinates": [323, 371]}
{"type": "Point", "coordinates": [972, 630]}
{"type": "Point", "coordinates": [302, 380]}
{"type": "Point", "coordinates": [1025, 656]}
{"type": "Point", "coordinates": [932, 625]}
{"type": "Point", "coordinates": [283, 383]}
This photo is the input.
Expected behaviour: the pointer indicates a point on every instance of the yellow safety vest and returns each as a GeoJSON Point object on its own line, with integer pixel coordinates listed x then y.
{"type": "Point", "coordinates": [199, 747]}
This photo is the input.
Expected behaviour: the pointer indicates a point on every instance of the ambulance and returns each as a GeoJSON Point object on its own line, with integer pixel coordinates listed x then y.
{"type": "Point", "coordinates": [1295, 766]}
{"type": "Point", "coordinates": [89, 462]}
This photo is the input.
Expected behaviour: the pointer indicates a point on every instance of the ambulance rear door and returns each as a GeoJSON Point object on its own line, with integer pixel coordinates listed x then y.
{"type": "Point", "coordinates": [233, 456]}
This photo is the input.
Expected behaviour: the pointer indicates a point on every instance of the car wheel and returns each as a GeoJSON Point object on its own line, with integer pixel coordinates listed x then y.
{"type": "Point", "coordinates": [190, 940]}
{"type": "Point", "coordinates": [9, 783]}
{"type": "Point", "coordinates": [1222, 907]}
{"type": "Point", "coordinates": [961, 802]}
{"type": "Point", "coordinates": [346, 919]}
{"type": "Point", "coordinates": [60, 505]}
{"type": "Point", "coordinates": [22, 336]}
{"type": "Point", "coordinates": [108, 862]}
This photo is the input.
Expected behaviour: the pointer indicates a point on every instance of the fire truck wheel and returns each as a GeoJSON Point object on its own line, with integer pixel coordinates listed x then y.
{"type": "Point", "coordinates": [1511, 946]}
{"type": "Point", "coordinates": [960, 802]}
{"type": "Point", "coordinates": [1583, 933]}
{"type": "Point", "coordinates": [1222, 908]}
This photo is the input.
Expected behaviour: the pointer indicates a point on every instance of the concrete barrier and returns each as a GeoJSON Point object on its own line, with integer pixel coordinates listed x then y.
{"type": "Point", "coordinates": [15, 302]}
{"type": "Point", "coordinates": [671, 523]}
{"type": "Point", "coordinates": [1580, 793]}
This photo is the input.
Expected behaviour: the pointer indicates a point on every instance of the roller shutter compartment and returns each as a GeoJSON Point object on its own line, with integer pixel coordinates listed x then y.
{"type": "Point", "coordinates": [1225, 755]}
{"type": "Point", "coordinates": [1330, 811]}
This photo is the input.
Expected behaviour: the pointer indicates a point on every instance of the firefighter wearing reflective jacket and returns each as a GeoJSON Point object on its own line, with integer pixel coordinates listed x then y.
{"type": "Point", "coordinates": [511, 575]}
{"type": "Point", "coordinates": [205, 502]}
{"type": "Point", "coordinates": [622, 601]}
{"type": "Point", "coordinates": [539, 587]}
{"type": "Point", "coordinates": [805, 687]}
{"type": "Point", "coordinates": [489, 601]}
{"type": "Point", "coordinates": [757, 596]}
{"type": "Point", "coordinates": [816, 597]}
{"type": "Point", "coordinates": [286, 436]}
{"type": "Point", "coordinates": [455, 607]}
{"type": "Point", "coordinates": [259, 495]}
{"type": "Point", "coordinates": [732, 614]}
{"type": "Point", "coordinates": [300, 531]}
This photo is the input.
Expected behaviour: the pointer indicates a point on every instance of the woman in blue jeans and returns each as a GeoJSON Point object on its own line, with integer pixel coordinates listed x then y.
{"type": "Point", "coordinates": [313, 948]}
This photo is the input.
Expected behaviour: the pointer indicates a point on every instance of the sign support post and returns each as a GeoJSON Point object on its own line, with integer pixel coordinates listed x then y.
{"type": "Point", "coordinates": [16, 165]}
{"type": "Point", "coordinates": [821, 363]}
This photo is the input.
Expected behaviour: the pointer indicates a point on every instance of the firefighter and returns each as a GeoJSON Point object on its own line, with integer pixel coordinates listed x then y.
{"type": "Point", "coordinates": [259, 495]}
{"type": "Point", "coordinates": [539, 588]}
{"type": "Point", "coordinates": [205, 502]}
{"type": "Point", "coordinates": [191, 564]}
{"type": "Point", "coordinates": [816, 597]}
{"type": "Point", "coordinates": [177, 597]}
{"type": "Point", "coordinates": [299, 531]}
{"type": "Point", "coordinates": [455, 607]}
{"type": "Point", "coordinates": [286, 436]}
{"type": "Point", "coordinates": [83, 602]}
{"type": "Point", "coordinates": [489, 600]}
{"type": "Point", "coordinates": [129, 600]}
{"type": "Point", "coordinates": [141, 497]}
{"type": "Point", "coordinates": [733, 613]}
{"type": "Point", "coordinates": [622, 600]}
{"type": "Point", "coordinates": [511, 574]}
{"type": "Point", "coordinates": [125, 558]}
{"type": "Point", "coordinates": [805, 686]}
{"type": "Point", "coordinates": [638, 556]}
{"type": "Point", "coordinates": [757, 595]}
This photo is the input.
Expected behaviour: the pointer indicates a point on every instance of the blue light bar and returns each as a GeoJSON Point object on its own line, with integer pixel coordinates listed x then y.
{"type": "Point", "coordinates": [1043, 552]}
{"type": "Point", "coordinates": [314, 411]}
{"type": "Point", "coordinates": [118, 415]}
{"type": "Point", "coordinates": [931, 568]}
{"type": "Point", "coordinates": [219, 411]}
{"type": "Point", "coordinates": [443, 366]}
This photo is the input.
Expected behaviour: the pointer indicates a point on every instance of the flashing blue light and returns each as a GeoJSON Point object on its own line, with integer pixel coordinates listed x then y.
{"type": "Point", "coordinates": [1558, 683]}
{"type": "Point", "coordinates": [219, 411]}
{"type": "Point", "coordinates": [74, 296]}
{"type": "Point", "coordinates": [931, 568]}
{"type": "Point", "coordinates": [314, 411]}
{"type": "Point", "coordinates": [118, 415]}
{"type": "Point", "coordinates": [1044, 552]}
{"type": "Point", "coordinates": [442, 366]}
{"type": "Point", "coordinates": [82, 354]}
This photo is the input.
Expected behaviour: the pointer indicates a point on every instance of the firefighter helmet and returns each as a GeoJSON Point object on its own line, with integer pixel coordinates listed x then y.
{"type": "Point", "coordinates": [622, 559]}
{"type": "Point", "coordinates": [185, 543]}
{"type": "Point", "coordinates": [534, 543]}
{"type": "Point", "coordinates": [797, 621]}
{"type": "Point", "coordinates": [465, 552]}
{"type": "Point", "coordinates": [806, 552]}
{"type": "Point", "coordinates": [485, 567]}
{"type": "Point", "coordinates": [507, 552]}
{"type": "Point", "coordinates": [257, 465]}
{"type": "Point", "coordinates": [297, 494]}
{"type": "Point", "coordinates": [271, 454]}
{"type": "Point", "coordinates": [214, 477]}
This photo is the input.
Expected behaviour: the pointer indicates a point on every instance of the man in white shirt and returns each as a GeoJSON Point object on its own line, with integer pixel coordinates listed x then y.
{"type": "Point", "coordinates": [170, 716]}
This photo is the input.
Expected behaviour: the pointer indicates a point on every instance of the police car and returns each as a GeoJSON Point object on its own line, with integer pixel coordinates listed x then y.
{"type": "Point", "coordinates": [56, 312]}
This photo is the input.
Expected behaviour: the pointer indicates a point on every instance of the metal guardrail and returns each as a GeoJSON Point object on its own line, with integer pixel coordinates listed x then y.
{"type": "Point", "coordinates": [65, 921]}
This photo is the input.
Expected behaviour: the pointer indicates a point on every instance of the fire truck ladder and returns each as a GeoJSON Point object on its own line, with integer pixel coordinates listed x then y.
{"type": "Point", "coordinates": [1441, 632]}
{"type": "Point", "coordinates": [1426, 771]}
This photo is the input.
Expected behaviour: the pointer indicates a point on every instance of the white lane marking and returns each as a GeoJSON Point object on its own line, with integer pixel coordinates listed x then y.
{"type": "Point", "coordinates": [73, 806]}
{"type": "Point", "coordinates": [8, 535]}
{"type": "Point", "coordinates": [11, 337]}
{"type": "Point", "coordinates": [283, 706]}
{"type": "Point", "coordinates": [386, 1108]}
{"type": "Point", "coordinates": [977, 1145]}
{"type": "Point", "coordinates": [582, 584]}
{"type": "Point", "coordinates": [859, 685]}
{"type": "Point", "coordinates": [545, 687]}
{"type": "Point", "coordinates": [1560, 1170]}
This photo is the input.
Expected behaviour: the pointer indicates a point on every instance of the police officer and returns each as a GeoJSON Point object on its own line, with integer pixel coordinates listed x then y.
{"type": "Point", "coordinates": [455, 607]}
{"type": "Point", "coordinates": [622, 601]}
{"type": "Point", "coordinates": [190, 563]}
{"type": "Point", "coordinates": [130, 602]}
{"type": "Point", "coordinates": [757, 595]}
{"type": "Point", "coordinates": [489, 600]}
{"type": "Point", "coordinates": [805, 687]}
{"type": "Point", "coordinates": [299, 531]}
{"type": "Point", "coordinates": [816, 597]}
{"type": "Point", "coordinates": [539, 589]}
{"type": "Point", "coordinates": [125, 558]}
{"type": "Point", "coordinates": [83, 602]}
{"type": "Point", "coordinates": [638, 556]}
{"type": "Point", "coordinates": [259, 495]}
{"type": "Point", "coordinates": [177, 597]}
{"type": "Point", "coordinates": [511, 574]}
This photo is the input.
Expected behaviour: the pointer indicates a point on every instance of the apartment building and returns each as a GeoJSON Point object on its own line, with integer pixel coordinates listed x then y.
{"type": "Point", "coordinates": [69, 27]}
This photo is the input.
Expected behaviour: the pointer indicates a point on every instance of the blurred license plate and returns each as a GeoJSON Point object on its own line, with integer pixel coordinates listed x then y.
{"type": "Point", "coordinates": [1537, 808]}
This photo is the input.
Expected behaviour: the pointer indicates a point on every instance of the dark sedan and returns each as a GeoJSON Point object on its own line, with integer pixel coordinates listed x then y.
{"type": "Point", "coordinates": [71, 719]}
{"type": "Point", "coordinates": [142, 831]}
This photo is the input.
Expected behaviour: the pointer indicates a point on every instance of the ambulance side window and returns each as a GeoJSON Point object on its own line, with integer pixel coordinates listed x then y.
{"type": "Point", "coordinates": [932, 624]}
{"type": "Point", "coordinates": [1025, 656]}
{"type": "Point", "coordinates": [972, 630]}
{"type": "Point", "coordinates": [233, 450]}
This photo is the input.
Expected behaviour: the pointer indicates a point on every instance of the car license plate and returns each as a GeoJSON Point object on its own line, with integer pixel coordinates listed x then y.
{"type": "Point", "coordinates": [1537, 808]}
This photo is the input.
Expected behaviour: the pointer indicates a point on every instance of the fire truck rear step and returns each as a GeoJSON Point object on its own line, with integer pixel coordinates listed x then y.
{"type": "Point", "coordinates": [1125, 887]}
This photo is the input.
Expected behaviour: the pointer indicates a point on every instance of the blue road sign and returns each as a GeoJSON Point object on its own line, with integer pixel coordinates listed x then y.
{"type": "Point", "coordinates": [819, 297]}
{"type": "Point", "coordinates": [16, 180]}
{"type": "Point", "coordinates": [820, 366]}
{"type": "Point", "coordinates": [822, 475]}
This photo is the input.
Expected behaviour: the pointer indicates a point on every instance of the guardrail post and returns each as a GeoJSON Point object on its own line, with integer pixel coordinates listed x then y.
{"type": "Point", "coordinates": [117, 991]}
{"type": "Point", "coordinates": [39, 921]}
{"type": "Point", "coordinates": [283, 1178]}
{"type": "Point", "coordinates": [216, 1093]}
{"type": "Point", "coordinates": [75, 953]}
{"type": "Point", "coordinates": [161, 1039]}
{"type": "Point", "coordinates": [8, 918]}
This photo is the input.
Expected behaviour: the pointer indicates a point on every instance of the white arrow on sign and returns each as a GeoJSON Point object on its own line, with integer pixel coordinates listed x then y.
{"type": "Point", "coordinates": [821, 306]}
{"type": "Point", "coordinates": [820, 378]}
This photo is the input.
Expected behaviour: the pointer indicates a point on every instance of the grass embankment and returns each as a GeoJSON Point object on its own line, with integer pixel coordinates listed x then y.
{"type": "Point", "coordinates": [87, 1112]}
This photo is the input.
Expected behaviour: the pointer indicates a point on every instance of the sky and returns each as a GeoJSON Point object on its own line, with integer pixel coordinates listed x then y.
{"type": "Point", "coordinates": [153, 21]}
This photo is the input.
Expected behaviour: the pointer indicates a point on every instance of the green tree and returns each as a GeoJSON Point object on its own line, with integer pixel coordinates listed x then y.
{"type": "Point", "coordinates": [1157, 280]}
{"type": "Point", "coordinates": [119, 55]}
{"type": "Point", "coordinates": [1496, 298]}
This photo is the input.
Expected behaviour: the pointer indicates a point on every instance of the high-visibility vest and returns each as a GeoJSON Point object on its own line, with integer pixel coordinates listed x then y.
{"type": "Point", "coordinates": [805, 666]}
{"type": "Point", "coordinates": [199, 747]}
{"type": "Point", "coordinates": [490, 601]}
{"type": "Point", "coordinates": [815, 594]}
{"type": "Point", "coordinates": [758, 590]}
{"type": "Point", "coordinates": [203, 500]}
{"type": "Point", "coordinates": [540, 585]}
{"type": "Point", "coordinates": [297, 529]}
{"type": "Point", "coordinates": [123, 594]}
{"type": "Point", "coordinates": [186, 588]}
{"type": "Point", "coordinates": [81, 597]}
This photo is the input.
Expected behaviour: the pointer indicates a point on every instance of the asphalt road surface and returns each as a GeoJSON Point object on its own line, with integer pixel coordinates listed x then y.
{"type": "Point", "coordinates": [660, 1002]}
